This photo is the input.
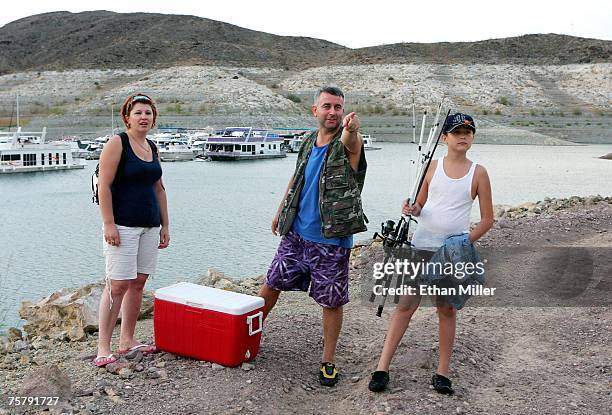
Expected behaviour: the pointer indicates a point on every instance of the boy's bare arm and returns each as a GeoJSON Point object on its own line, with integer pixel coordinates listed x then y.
{"type": "Point", "coordinates": [485, 200]}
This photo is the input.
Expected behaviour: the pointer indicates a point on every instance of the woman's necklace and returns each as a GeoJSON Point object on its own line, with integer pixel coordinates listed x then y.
{"type": "Point", "coordinates": [148, 150]}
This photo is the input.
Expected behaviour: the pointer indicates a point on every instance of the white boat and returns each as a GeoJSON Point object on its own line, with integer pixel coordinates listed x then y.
{"type": "Point", "coordinates": [197, 140]}
{"type": "Point", "coordinates": [27, 152]}
{"type": "Point", "coordinates": [85, 149]}
{"type": "Point", "coordinates": [367, 142]}
{"type": "Point", "coordinates": [295, 144]}
{"type": "Point", "coordinates": [172, 147]}
{"type": "Point", "coordinates": [244, 143]}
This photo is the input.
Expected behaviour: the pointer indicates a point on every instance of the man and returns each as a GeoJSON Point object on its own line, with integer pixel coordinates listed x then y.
{"type": "Point", "coordinates": [317, 217]}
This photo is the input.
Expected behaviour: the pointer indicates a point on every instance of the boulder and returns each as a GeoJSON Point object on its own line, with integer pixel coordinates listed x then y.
{"type": "Point", "coordinates": [14, 334]}
{"type": "Point", "coordinates": [4, 344]}
{"type": "Point", "coordinates": [70, 313]}
{"type": "Point", "coordinates": [47, 381]}
{"type": "Point", "coordinates": [211, 278]}
{"type": "Point", "coordinates": [218, 279]}
{"type": "Point", "coordinates": [499, 211]}
{"type": "Point", "coordinates": [607, 156]}
{"type": "Point", "coordinates": [20, 346]}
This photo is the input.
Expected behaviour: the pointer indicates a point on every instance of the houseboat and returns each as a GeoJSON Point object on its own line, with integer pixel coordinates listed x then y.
{"type": "Point", "coordinates": [367, 142]}
{"type": "Point", "coordinates": [244, 143]}
{"type": "Point", "coordinates": [173, 147]}
{"type": "Point", "coordinates": [27, 152]}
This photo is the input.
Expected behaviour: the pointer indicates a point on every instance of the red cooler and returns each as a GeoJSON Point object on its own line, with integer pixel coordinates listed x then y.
{"type": "Point", "coordinates": [207, 323]}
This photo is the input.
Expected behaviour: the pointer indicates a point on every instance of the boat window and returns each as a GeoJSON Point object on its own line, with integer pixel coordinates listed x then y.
{"type": "Point", "coordinates": [10, 157]}
{"type": "Point", "coordinates": [56, 158]}
{"type": "Point", "coordinates": [42, 159]}
{"type": "Point", "coordinates": [29, 159]}
{"type": "Point", "coordinates": [64, 158]}
{"type": "Point", "coordinates": [237, 147]}
{"type": "Point", "coordinates": [274, 146]}
{"type": "Point", "coordinates": [262, 144]}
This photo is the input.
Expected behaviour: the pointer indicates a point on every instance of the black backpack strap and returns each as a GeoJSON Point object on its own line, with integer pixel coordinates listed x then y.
{"type": "Point", "coordinates": [153, 148]}
{"type": "Point", "coordinates": [125, 142]}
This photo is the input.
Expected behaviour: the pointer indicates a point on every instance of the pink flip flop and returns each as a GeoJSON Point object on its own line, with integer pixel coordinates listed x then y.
{"type": "Point", "coordinates": [101, 361]}
{"type": "Point", "coordinates": [144, 348]}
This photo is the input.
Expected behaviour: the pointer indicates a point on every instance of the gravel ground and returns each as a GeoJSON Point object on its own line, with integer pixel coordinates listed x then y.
{"type": "Point", "coordinates": [507, 360]}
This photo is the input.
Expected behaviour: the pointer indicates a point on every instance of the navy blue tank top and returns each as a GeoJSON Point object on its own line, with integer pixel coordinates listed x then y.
{"type": "Point", "coordinates": [134, 201]}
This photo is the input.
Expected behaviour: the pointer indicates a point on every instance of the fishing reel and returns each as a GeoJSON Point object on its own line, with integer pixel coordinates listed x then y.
{"type": "Point", "coordinates": [393, 235]}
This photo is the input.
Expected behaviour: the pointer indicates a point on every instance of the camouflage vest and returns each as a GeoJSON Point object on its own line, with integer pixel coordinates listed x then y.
{"type": "Point", "coordinates": [339, 191]}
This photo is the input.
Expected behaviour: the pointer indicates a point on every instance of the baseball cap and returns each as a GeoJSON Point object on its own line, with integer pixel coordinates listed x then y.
{"type": "Point", "coordinates": [459, 120]}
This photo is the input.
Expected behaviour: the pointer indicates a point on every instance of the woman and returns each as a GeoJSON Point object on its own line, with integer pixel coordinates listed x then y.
{"type": "Point", "coordinates": [134, 212]}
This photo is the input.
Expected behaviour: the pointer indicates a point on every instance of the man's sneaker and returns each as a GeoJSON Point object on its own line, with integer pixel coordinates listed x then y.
{"type": "Point", "coordinates": [442, 384]}
{"type": "Point", "coordinates": [379, 382]}
{"type": "Point", "coordinates": [328, 375]}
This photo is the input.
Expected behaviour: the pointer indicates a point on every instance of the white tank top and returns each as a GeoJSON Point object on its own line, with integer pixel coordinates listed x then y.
{"type": "Point", "coordinates": [447, 209]}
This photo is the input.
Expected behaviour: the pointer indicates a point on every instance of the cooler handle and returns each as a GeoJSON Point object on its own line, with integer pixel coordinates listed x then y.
{"type": "Point", "coordinates": [250, 319]}
{"type": "Point", "coordinates": [193, 307]}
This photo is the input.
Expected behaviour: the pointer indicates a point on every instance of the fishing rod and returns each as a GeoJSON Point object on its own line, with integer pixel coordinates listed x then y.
{"type": "Point", "coordinates": [413, 119]}
{"type": "Point", "coordinates": [422, 131]}
{"type": "Point", "coordinates": [435, 124]}
{"type": "Point", "coordinates": [396, 236]}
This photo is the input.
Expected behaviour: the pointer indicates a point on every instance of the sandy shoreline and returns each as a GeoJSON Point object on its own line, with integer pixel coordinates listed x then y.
{"type": "Point", "coordinates": [507, 360]}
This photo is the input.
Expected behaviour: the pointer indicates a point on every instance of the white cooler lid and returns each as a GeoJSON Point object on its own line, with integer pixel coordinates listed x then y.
{"type": "Point", "coordinates": [200, 296]}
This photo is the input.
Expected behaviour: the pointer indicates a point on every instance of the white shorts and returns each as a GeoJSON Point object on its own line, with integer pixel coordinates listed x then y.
{"type": "Point", "coordinates": [136, 253]}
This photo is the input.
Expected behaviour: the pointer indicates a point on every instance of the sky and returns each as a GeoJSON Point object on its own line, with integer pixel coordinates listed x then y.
{"type": "Point", "coordinates": [361, 23]}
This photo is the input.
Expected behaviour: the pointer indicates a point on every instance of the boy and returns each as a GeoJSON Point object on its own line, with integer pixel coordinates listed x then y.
{"type": "Point", "coordinates": [443, 205]}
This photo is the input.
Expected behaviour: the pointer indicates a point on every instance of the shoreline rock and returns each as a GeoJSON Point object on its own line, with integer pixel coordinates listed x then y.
{"type": "Point", "coordinates": [606, 156]}
{"type": "Point", "coordinates": [70, 313]}
{"type": "Point", "coordinates": [547, 205]}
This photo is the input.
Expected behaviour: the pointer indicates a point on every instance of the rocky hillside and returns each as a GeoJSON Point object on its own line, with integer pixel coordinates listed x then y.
{"type": "Point", "coordinates": [377, 89]}
{"type": "Point", "coordinates": [102, 39]}
{"type": "Point", "coordinates": [548, 49]}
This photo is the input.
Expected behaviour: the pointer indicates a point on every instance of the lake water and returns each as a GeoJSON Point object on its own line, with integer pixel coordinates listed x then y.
{"type": "Point", "coordinates": [220, 213]}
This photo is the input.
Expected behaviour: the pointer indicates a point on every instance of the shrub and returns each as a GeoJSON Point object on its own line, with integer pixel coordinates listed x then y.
{"type": "Point", "coordinates": [503, 101]}
{"type": "Point", "coordinates": [498, 112]}
{"type": "Point", "coordinates": [378, 109]}
{"type": "Point", "coordinates": [293, 98]}
{"type": "Point", "coordinates": [57, 110]}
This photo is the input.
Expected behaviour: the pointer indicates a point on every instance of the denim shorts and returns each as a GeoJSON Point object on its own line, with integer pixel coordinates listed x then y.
{"type": "Point", "coordinates": [320, 269]}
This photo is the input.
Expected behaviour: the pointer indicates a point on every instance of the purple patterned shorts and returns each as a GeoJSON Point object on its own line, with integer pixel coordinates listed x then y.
{"type": "Point", "coordinates": [299, 263]}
